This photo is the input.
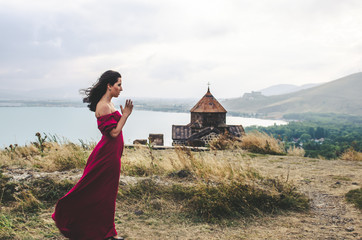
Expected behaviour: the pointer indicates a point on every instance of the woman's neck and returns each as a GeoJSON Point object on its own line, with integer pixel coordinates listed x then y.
{"type": "Point", "coordinates": [107, 97]}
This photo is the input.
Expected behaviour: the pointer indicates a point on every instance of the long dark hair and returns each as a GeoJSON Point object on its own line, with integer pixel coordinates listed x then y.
{"type": "Point", "coordinates": [95, 93]}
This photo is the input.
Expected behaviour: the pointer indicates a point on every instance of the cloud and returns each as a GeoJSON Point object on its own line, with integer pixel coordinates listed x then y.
{"type": "Point", "coordinates": [173, 48]}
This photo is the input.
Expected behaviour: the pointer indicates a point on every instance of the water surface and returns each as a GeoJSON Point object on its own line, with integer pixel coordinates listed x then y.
{"type": "Point", "coordinates": [19, 124]}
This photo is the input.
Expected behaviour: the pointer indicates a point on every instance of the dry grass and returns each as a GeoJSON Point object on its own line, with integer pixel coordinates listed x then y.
{"type": "Point", "coordinates": [54, 157]}
{"type": "Point", "coordinates": [256, 142]}
{"type": "Point", "coordinates": [197, 186]}
{"type": "Point", "coordinates": [140, 161]}
{"type": "Point", "coordinates": [178, 191]}
{"type": "Point", "coordinates": [296, 151]}
{"type": "Point", "coordinates": [260, 142]}
{"type": "Point", "coordinates": [59, 157]}
{"type": "Point", "coordinates": [215, 166]}
{"type": "Point", "coordinates": [224, 142]}
{"type": "Point", "coordinates": [351, 155]}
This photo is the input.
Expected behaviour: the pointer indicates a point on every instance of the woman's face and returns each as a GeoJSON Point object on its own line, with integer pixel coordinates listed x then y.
{"type": "Point", "coordinates": [116, 88]}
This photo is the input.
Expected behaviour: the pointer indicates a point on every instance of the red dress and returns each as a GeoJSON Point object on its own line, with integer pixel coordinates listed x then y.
{"type": "Point", "coordinates": [87, 210]}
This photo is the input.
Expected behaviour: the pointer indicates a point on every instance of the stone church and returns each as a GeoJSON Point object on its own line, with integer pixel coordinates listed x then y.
{"type": "Point", "coordinates": [208, 120]}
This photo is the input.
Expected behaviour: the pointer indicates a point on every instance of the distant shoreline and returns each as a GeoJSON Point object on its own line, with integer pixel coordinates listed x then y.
{"type": "Point", "coordinates": [40, 103]}
{"type": "Point", "coordinates": [154, 107]}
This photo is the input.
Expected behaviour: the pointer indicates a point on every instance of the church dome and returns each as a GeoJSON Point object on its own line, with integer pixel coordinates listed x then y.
{"type": "Point", "coordinates": [208, 104]}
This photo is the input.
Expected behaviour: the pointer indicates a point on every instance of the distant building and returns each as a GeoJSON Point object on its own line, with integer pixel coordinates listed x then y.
{"type": "Point", "coordinates": [253, 96]}
{"type": "Point", "coordinates": [208, 120]}
{"type": "Point", "coordinates": [155, 139]}
{"type": "Point", "coordinates": [140, 141]}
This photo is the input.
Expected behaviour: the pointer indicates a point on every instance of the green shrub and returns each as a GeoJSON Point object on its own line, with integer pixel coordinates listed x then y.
{"type": "Point", "coordinates": [237, 199]}
{"type": "Point", "coordinates": [141, 171]}
{"type": "Point", "coordinates": [42, 189]}
{"type": "Point", "coordinates": [223, 200]}
{"type": "Point", "coordinates": [355, 197]}
{"type": "Point", "coordinates": [143, 189]}
{"type": "Point", "coordinates": [6, 227]}
{"type": "Point", "coordinates": [49, 190]}
{"type": "Point", "coordinates": [7, 189]}
{"type": "Point", "coordinates": [27, 202]}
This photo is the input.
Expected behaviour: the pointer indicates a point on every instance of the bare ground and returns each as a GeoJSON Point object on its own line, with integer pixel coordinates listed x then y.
{"type": "Point", "coordinates": [325, 182]}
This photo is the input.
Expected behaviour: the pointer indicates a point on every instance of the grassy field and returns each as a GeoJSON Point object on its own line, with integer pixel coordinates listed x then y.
{"type": "Point", "coordinates": [180, 194]}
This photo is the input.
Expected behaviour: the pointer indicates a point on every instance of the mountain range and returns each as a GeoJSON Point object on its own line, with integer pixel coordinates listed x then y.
{"type": "Point", "coordinates": [285, 88]}
{"type": "Point", "coordinates": [342, 96]}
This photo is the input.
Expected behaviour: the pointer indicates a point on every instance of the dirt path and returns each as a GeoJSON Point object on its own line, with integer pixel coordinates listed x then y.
{"type": "Point", "coordinates": [329, 218]}
{"type": "Point", "coordinates": [325, 182]}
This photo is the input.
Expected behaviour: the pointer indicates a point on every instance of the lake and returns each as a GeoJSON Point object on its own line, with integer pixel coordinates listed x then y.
{"type": "Point", "coordinates": [19, 124]}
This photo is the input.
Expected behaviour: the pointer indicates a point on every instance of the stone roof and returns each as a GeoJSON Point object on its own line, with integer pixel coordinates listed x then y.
{"type": "Point", "coordinates": [208, 104]}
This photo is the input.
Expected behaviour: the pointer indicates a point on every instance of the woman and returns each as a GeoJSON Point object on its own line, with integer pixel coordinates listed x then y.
{"type": "Point", "coordinates": [87, 210]}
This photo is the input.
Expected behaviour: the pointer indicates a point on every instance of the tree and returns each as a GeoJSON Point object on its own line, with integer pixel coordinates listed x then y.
{"type": "Point", "coordinates": [319, 133]}
{"type": "Point", "coordinates": [305, 137]}
{"type": "Point", "coordinates": [311, 132]}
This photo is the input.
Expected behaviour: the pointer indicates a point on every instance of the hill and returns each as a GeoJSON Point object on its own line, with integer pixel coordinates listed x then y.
{"type": "Point", "coordinates": [341, 96]}
{"type": "Point", "coordinates": [285, 89]}
{"type": "Point", "coordinates": [175, 195]}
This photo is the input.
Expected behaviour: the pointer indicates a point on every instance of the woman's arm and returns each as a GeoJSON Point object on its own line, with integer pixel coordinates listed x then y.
{"type": "Point", "coordinates": [126, 111]}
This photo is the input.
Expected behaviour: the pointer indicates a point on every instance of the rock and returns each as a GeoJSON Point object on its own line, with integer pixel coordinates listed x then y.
{"type": "Point", "coordinates": [181, 174]}
{"type": "Point", "coordinates": [355, 235]}
{"type": "Point", "coordinates": [122, 183]}
{"type": "Point", "coordinates": [139, 212]}
{"type": "Point", "coordinates": [350, 229]}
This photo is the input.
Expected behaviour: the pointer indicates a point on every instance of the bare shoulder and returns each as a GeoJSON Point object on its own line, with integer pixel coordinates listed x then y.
{"type": "Point", "coordinates": [113, 108]}
{"type": "Point", "coordinates": [102, 109]}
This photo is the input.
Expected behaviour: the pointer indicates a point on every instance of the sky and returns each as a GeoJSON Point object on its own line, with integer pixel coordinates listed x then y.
{"type": "Point", "coordinates": [173, 49]}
